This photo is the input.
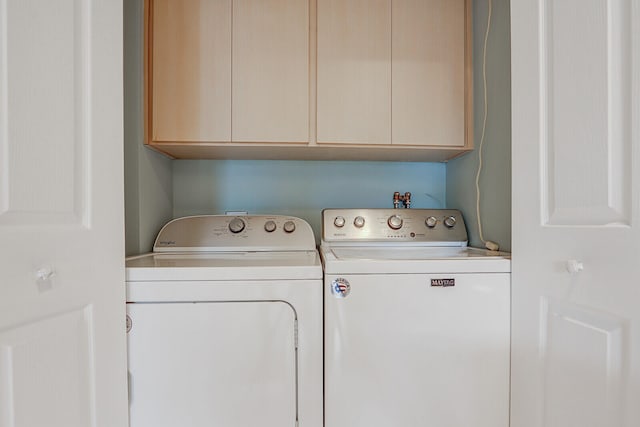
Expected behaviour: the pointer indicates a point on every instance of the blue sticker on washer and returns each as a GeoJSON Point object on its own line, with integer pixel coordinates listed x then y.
{"type": "Point", "coordinates": [340, 287]}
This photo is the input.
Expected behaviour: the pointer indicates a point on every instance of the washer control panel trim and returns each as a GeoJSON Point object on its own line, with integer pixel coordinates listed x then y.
{"type": "Point", "coordinates": [423, 226]}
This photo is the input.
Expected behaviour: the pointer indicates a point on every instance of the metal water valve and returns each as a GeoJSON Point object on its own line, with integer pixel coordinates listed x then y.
{"type": "Point", "coordinates": [405, 199]}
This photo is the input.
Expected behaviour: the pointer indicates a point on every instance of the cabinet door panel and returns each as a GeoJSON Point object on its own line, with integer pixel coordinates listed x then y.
{"type": "Point", "coordinates": [191, 70]}
{"type": "Point", "coordinates": [270, 71]}
{"type": "Point", "coordinates": [354, 71]}
{"type": "Point", "coordinates": [428, 72]}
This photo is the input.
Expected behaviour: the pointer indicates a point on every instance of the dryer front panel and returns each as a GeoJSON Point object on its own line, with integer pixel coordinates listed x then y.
{"type": "Point", "coordinates": [212, 364]}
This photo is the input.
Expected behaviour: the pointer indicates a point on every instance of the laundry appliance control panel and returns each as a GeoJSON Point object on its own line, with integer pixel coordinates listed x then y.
{"type": "Point", "coordinates": [253, 233]}
{"type": "Point", "coordinates": [424, 226]}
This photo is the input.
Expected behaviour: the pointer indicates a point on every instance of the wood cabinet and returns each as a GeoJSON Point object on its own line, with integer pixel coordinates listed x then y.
{"type": "Point", "coordinates": [270, 71]}
{"type": "Point", "coordinates": [392, 72]}
{"type": "Point", "coordinates": [309, 79]}
{"type": "Point", "coordinates": [428, 68]}
{"type": "Point", "coordinates": [225, 71]}
{"type": "Point", "coordinates": [189, 89]}
{"type": "Point", "coordinates": [354, 71]}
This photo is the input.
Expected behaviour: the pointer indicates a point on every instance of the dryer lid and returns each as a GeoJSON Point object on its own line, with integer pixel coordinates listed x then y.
{"type": "Point", "coordinates": [217, 266]}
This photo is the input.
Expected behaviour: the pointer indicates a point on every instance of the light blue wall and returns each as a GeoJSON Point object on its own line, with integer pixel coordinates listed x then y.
{"type": "Point", "coordinates": [301, 188]}
{"type": "Point", "coordinates": [495, 179]}
{"type": "Point", "coordinates": [148, 186]}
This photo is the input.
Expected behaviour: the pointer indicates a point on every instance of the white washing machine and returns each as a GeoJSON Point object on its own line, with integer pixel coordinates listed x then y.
{"type": "Point", "coordinates": [417, 324]}
{"type": "Point", "coordinates": [224, 325]}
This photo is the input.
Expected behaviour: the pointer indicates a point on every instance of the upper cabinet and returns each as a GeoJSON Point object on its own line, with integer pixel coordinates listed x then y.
{"type": "Point", "coordinates": [430, 75]}
{"type": "Point", "coordinates": [189, 80]}
{"type": "Point", "coordinates": [309, 79]}
{"type": "Point", "coordinates": [392, 72]}
{"type": "Point", "coordinates": [270, 69]}
{"type": "Point", "coordinates": [225, 70]}
{"type": "Point", "coordinates": [354, 71]}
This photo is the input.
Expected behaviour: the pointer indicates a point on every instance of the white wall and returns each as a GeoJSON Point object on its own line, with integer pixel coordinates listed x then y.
{"type": "Point", "coordinates": [148, 186]}
{"type": "Point", "coordinates": [495, 180]}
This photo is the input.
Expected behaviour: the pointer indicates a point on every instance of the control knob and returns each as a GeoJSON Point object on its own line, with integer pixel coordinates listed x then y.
{"type": "Point", "coordinates": [450, 221]}
{"type": "Point", "coordinates": [236, 225]}
{"type": "Point", "coordinates": [270, 226]}
{"type": "Point", "coordinates": [394, 222]}
{"type": "Point", "coordinates": [339, 221]}
{"type": "Point", "coordinates": [359, 222]}
{"type": "Point", "coordinates": [431, 221]}
{"type": "Point", "coordinates": [289, 226]}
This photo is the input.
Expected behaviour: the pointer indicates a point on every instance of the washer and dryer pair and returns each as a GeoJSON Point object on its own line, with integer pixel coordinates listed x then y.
{"type": "Point", "coordinates": [226, 323]}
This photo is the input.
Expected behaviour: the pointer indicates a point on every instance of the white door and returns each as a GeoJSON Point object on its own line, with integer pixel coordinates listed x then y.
{"type": "Point", "coordinates": [62, 330]}
{"type": "Point", "coordinates": [576, 210]}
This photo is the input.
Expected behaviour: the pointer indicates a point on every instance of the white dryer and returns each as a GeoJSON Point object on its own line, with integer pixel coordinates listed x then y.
{"type": "Point", "coordinates": [224, 325]}
{"type": "Point", "coordinates": [417, 324]}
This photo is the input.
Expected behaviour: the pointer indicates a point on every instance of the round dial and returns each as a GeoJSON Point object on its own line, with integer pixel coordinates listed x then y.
{"type": "Point", "coordinates": [270, 226]}
{"type": "Point", "coordinates": [359, 222]}
{"type": "Point", "coordinates": [431, 221]}
{"type": "Point", "coordinates": [395, 222]}
{"type": "Point", "coordinates": [236, 225]}
{"type": "Point", "coordinates": [339, 221]}
{"type": "Point", "coordinates": [289, 226]}
{"type": "Point", "coordinates": [450, 221]}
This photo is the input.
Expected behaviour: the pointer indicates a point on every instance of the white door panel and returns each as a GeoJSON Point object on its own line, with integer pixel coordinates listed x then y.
{"type": "Point", "coordinates": [576, 128]}
{"type": "Point", "coordinates": [62, 342]}
{"type": "Point", "coordinates": [42, 175]}
{"type": "Point", "coordinates": [585, 118]}
{"type": "Point", "coordinates": [214, 363]}
{"type": "Point", "coordinates": [47, 362]}
{"type": "Point", "coordinates": [583, 353]}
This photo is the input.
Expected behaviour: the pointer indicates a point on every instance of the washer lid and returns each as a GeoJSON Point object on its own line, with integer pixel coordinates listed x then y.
{"type": "Point", "coordinates": [411, 259]}
{"type": "Point", "coordinates": [281, 265]}
{"type": "Point", "coordinates": [411, 253]}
